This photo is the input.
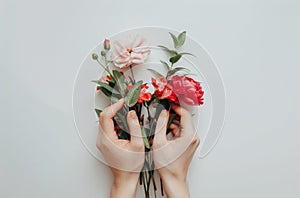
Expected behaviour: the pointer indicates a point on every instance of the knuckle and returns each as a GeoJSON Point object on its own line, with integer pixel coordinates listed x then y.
{"type": "Point", "coordinates": [138, 146]}
{"type": "Point", "coordinates": [103, 114]}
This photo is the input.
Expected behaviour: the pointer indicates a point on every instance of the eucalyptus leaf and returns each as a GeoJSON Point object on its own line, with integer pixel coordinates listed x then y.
{"type": "Point", "coordinates": [175, 59]}
{"type": "Point", "coordinates": [156, 73]}
{"type": "Point", "coordinates": [175, 40]}
{"type": "Point", "coordinates": [181, 39]}
{"type": "Point", "coordinates": [133, 94]}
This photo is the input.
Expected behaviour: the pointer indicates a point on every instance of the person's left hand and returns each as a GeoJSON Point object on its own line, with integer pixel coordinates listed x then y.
{"type": "Point", "coordinates": [125, 158]}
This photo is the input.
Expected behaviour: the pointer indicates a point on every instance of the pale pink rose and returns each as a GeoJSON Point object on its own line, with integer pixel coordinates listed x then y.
{"type": "Point", "coordinates": [130, 52]}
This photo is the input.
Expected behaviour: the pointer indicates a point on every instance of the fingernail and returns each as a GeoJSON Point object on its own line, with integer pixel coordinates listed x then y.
{"type": "Point", "coordinates": [133, 114]}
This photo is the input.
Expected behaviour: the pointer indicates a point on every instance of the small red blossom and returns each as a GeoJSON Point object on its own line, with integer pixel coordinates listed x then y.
{"type": "Point", "coordinates": [144, 95]}
{"type": "Point", "coordinates": [163, 90]}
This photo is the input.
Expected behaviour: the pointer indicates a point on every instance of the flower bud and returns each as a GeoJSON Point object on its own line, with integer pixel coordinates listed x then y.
{"type": "Point", "coordinates": [94, 56]}
{"type": "Point", "coordinates": [106, 44]}
{"type": "Point", "coordinates": [103, 53]}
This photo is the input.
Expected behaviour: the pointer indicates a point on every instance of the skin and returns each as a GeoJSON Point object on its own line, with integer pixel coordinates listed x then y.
{"type": "Point", "coordinates": [172, 164]}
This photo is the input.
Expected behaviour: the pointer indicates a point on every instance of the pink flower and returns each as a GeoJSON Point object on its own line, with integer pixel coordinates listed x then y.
{"type": "Point", "coordinates": [187, 89]}
{"type": "Point", "coordinates": [130, 52]}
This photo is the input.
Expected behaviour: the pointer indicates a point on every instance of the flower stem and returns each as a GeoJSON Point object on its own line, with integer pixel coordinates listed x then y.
{"type": "Point", "coordinates": [104, 67]}
{"type": "Point", "coordinates": [132, 75]}
{"type": "Point", "coordinates": [161, 187]}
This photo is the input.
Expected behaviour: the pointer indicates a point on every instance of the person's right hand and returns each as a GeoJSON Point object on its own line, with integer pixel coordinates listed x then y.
{"type": "Point", "coordinates": [172, 157]}
{"type": "Point", "coordinates": [125, 158]}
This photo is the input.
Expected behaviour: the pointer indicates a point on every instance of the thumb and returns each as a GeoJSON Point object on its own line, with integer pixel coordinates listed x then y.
{"type": "Point", "coordinates": [160, 136]}
{"type": "Point", "coordinates": [135, 129]}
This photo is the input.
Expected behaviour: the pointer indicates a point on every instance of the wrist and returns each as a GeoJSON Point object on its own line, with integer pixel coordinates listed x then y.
{"type": "Point", "coordinates": [175, 187]}
{"type": "Point", "coordinates": [125, 185]}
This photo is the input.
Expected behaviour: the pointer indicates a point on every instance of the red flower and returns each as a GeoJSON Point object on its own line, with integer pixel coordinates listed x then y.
{"type": "Point", "coordinates": [187, 89]}
{"type": "Point", "coordinates": [144, 95]}
{"type": "Point", "coordinates": [163, 90]}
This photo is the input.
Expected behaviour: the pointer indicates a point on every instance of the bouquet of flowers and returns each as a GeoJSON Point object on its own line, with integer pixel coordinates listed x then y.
{"type": "Point", "coordinates": [171, 88]}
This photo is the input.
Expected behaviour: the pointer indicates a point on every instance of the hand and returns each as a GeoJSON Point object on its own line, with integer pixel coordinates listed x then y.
{"type": "Point", "coordinates": [173, 157]}
{"type": "Point", "coordinates": [125, 158]}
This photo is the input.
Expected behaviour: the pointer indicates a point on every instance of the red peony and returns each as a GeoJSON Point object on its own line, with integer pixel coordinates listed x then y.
{"type": "Point", "coordinates": [144, 95]}
{"type": "Point", "coordinates": [187, 90]}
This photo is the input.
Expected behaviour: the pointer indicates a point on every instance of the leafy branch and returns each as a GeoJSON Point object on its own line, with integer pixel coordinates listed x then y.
{"type": "Point", "coordinates": [176, 55]}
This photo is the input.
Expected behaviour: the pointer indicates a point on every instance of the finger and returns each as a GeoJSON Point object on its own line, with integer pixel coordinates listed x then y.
{"type": "Point", "coordinates": [175, 130]}
{"type": "Point", "coordinates": [110, 111]}
{"type": "Point", "coordinates": [106, 116]}
{"type": "Point", "coordinates": [185, 117]}
{"type": "Point", "coordinates": [161, 128]}
{"type": "Point", "coordinates": [135, 130]}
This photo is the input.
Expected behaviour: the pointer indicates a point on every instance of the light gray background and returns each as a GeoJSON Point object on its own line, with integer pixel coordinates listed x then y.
{"type": "Point", "coordinates": [256, 45]}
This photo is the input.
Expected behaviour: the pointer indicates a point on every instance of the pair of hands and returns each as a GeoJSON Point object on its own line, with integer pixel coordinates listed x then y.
{"type": "Point", "coordinates": [126, 158]}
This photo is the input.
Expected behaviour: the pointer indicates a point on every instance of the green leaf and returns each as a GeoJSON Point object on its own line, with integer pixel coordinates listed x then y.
{"type": "Point", "coordinates": [105, 92]}
{"type": "Point", "coordinates": [120, 81]}
{"type": "Point", "coordinates": [133, 94]}
{"type": "Point", "coordinates": [117, 74]}
{"type": "Point", "coordinates": [187, 53]}
{"type": "Point", "coordinates": [102, 84]}
{"type": "Point", "coordinates": [165, 64]}
{"type": "Point", "coordinates": [181, 39]}
{"type": "Point", "coordinates": [98, 111]}
{"type": "Point", "coordinates": [171, 52]}
{"type": "Point", "coordinates": [173, 71]}
{"type": "Point", "coordinates": [146, 142]}
{"type": "Point", "coordinates": [175, 59]}
{"type": "Point", "coordinates": [175, 40]}
{"type": "Point", "coordinates": [156, 73]}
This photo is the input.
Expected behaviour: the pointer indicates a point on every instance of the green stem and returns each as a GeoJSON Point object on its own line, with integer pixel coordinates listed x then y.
{"type": "Point", "coordinates": [104, 67]}
{"type": "Point", "coordinates": [132, 73]}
